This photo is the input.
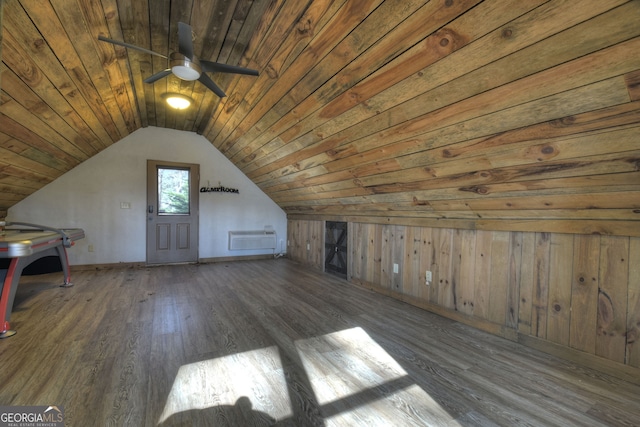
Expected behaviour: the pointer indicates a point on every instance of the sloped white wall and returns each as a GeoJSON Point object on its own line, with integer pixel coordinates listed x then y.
{"type": "Point", "coordinates": [90, 196]}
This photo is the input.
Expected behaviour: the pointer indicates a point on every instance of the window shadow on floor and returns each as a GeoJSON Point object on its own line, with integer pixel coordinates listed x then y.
{"type": "Point", "coordinates": [239, 414]}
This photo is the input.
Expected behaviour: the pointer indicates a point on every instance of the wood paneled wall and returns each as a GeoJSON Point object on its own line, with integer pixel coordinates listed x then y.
{"type": "Point", "coordinates": [566, 291]}
{"type": "Point", "coordinates": [305, 241]}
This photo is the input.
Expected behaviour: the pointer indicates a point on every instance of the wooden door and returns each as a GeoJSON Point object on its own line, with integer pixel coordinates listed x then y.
{"type": "Point", "coordinates": [172, 212]}
{"type": "Point", "coordinates": [335, 248]}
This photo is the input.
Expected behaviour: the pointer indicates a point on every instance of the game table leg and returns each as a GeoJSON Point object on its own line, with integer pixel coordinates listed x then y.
{"type": "Point", "coordinates": [64, 261]}
{"type": "Point", "coordinates": [11, 278]}
{"type": "Point", "coordinates": [8, 278]}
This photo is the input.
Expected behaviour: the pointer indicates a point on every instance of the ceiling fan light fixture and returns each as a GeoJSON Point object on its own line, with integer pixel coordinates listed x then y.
{"type": "Point", "coordinates": [184, 64]}
{"type": "Point", "coordinates": [177, 101]}
{"type": "Point", "coordinates": [184, 68]}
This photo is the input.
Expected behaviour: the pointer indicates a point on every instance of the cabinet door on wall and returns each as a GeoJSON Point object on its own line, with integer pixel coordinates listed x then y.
{"type": "Point", "coordinates": [335, 248]}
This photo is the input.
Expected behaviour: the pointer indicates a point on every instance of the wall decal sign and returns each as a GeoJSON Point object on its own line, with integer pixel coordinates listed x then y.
{"type": "Point", "coordinates": [219, 189]}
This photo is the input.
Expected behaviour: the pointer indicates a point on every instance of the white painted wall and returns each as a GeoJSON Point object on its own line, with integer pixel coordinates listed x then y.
{"type": "Point", "coordinates": [90, 195]}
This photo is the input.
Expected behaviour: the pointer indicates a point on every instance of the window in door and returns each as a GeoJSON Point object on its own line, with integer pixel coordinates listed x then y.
{"type": "Point", "coordinates": [173, 191]}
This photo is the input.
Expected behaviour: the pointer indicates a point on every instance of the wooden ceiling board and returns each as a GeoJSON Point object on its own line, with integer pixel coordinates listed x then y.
{"type": "Point", "coordinates": [474, 114]}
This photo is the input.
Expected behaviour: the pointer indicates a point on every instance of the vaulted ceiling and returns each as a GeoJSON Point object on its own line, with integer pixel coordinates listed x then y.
{"type": "Point", "coordinates": [498, 114]}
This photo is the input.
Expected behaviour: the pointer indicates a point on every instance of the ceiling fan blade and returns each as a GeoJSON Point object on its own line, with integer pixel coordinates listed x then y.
{"type": "Point", "coordinates": [225, 68]}
{"type": "Point", "coordinates": [185, 42]}
{"type": "Point", "coordinates": [205, 80]}
{"type": "Point", "coordinates": [130, 46]}
{"type": "Point", "coordinates": [158, 76]}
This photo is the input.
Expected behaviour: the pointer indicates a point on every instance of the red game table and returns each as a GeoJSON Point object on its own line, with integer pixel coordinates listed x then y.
{"type": "Point", "coordinates": [22, 247]}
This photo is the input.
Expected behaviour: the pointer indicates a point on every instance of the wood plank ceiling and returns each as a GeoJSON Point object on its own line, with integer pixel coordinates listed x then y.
{"type": "Point", "coordinates": [480, 114]}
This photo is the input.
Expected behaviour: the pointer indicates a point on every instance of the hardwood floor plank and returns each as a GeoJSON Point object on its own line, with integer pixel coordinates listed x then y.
{"type": "Point", "coordinates": [272, 342]}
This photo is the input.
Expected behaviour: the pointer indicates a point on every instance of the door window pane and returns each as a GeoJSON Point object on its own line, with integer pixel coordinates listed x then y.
{"type": "Point", "coordinates": [173, 191]}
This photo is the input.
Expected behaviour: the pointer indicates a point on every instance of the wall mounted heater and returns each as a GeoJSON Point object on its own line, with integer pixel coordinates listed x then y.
{"type": "Point", "coordinates": [244, 240]}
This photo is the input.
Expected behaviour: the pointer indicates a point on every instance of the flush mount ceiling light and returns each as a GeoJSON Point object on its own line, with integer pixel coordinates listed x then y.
{"type": "Point", "coordinates": [177, 101]}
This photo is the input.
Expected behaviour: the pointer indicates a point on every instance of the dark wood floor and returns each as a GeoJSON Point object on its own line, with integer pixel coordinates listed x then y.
{"type": "Point", "coordinates": [272, 342]}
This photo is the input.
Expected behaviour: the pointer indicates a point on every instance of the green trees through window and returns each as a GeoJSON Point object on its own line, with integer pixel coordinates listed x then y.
{"type": "Point", "coordinates": [173, 191]}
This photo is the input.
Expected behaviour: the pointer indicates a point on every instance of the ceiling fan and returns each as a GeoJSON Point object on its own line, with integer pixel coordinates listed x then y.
{"type": "Point", "coordinates": [185, 65]}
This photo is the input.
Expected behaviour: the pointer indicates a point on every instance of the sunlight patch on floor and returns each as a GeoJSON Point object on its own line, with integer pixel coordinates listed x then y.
{"type": "Point", "coordinates": [357, 382]}
{"type": "Point", "coordinates": [354, 381]}
{"type": "Point", "coordinates": [253, 378]}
